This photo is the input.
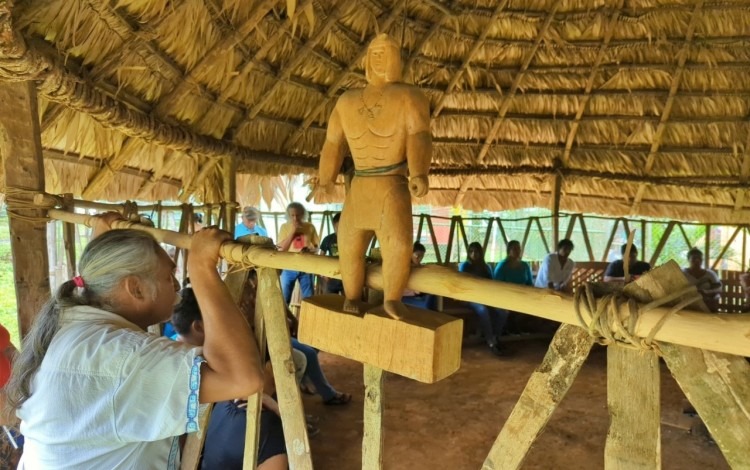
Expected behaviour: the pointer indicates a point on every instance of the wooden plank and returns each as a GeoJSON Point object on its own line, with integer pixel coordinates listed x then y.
{"type": "Point", "coordinates": [21, 152]}
{"type": "Point", "coordinates": [634, 437]}
{"type": "Point", "coordinates": [254, 402]}
{"type": "Point", "coordinates": [643, 239]}
{"type": "Point", "coordinates": [717, 385]}
{"type": "Point", "coordinates": [544, 391]}
{"type": "Point", "coordinates": [372, 440]}
{"type": "Point", "coordinates": [424, 346]}
{"type": "Point", "coordinates": [287, 389]}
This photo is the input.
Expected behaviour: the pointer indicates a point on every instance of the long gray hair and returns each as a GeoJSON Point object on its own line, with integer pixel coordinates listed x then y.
{"type": "Point", "coordinates": [106, 261]}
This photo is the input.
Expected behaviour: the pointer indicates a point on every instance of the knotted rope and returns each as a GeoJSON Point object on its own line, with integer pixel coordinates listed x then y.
{"type": "Point", "coordinates": [22, 199]}
{"type": "Point", "coordinates": [614, 317]}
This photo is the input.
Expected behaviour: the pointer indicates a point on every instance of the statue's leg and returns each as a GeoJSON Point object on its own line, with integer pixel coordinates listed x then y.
{"type": "Point", "coordinates": [353, 243]}
{"type": "Point", "coordinates": [396, 243]}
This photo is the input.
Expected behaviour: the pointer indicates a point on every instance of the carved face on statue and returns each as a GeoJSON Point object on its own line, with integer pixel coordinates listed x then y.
{"type": "Point", "coordinates": [383, 62]}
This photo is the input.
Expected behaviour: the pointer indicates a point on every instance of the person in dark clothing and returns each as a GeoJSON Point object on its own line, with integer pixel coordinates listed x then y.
{"type": "Point", "coordinates": [414, 298]}
{"type": "Point", "coordinates": [491, 320]}
{"type": "Point", "coordinates": [616, 269]}
{"type": "Point", "coordinates": [330, 247]}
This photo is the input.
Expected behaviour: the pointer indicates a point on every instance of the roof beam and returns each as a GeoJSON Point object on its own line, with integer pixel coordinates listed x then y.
{"type": "Point", "coordinates": [608, 32]}
{"type": "Point", "coordinates": [676, 78]}
{"type": "Point", "coordinates": [469, 56]}
{"type": "Point", "coordinates": [218, 50]}
{"type": "Point", "coordinates": [382, 26]}
{"type": "Point", "coordinates": [302, 53]}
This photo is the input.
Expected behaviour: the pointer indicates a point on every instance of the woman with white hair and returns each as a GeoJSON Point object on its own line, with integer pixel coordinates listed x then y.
{"type": "Point", "coordinates": [94, 390]}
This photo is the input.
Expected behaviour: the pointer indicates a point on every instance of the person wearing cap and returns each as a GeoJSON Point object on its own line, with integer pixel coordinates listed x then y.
{"type": "Point", "coordinates": [249, 225]}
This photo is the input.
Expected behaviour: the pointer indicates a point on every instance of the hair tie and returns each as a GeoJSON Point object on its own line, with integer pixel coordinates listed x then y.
{"type": "Point", "coordinates": [78, 281]}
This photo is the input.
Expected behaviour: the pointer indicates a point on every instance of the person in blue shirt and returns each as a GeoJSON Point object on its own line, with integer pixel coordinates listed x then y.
{"type": "Point", "coordinates": [249, 225]}
{"type": "Point", "coordinates": [491, 320]}
{"type": "Point", "coordinates": [512, 269]}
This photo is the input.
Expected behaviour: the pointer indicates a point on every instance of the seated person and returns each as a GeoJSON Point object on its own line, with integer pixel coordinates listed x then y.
{"type": "Point", "coordinates": [512, 269]}
{"type": "Point", "coordinates": [491, 320]}
{"type": "Point", "coordinates": [225, 437]}
{"type": "Point", "coordinates": [616, 269]}
{"type": "Point", "coordinates": [557, 268]}
{"type": "Point", "coordinates": [705, 280]}
{"type": "Point", "coordinates": [330, 247]}
{"type": "Point", "coordinates": [414, 298]}
{"type": "Point", "coordinates": [249, 225]}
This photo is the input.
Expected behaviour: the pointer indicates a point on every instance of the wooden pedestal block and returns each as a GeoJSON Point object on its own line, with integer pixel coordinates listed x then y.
{"type": "Point", "coordinates": [425, 346]}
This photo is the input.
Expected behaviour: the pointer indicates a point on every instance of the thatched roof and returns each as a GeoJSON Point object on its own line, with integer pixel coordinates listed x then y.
{"type": "Point", "coordinates": [638, 106]}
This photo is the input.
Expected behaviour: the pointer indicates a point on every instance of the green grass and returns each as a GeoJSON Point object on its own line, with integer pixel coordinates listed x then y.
{"type": "Point", "coordinates": [8, 309]}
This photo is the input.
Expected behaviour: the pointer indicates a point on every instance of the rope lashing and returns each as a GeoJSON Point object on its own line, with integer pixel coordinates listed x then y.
{"type": "Point", "coordinates": [609, 322]}
{"type": "Point", "coordinates": [23, 199]}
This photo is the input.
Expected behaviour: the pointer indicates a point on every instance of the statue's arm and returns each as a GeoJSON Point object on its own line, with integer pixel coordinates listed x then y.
{"type": "Point", "coordinates": [334, 149]}
{"type": "Point", "coordinates": [419, 137]}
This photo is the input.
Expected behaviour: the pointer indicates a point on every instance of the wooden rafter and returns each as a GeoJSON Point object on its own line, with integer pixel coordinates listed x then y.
{"type": "Point", "coordinates": [301, 54]}
{"type": "Point", "coordinates": [675, 85]}
{"type": "Point", "coordinates": [609, 31]}
{"type": "Point", "coordinates": [469, 57]}
{"type": "Point", "coordinates": [189, 189]}
{"type": "Point", "coordinates": [424, 39]}
{"type": "Point", "coordinates": [236, 36]}
{"type": "Point", "coordinates": [383, 25]}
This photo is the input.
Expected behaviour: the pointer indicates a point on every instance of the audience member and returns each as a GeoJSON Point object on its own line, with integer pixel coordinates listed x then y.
{"type": "Point", "coordinates": [250, 225]}
{"type": "Point", "coordinates": [491, 320]}
{"type": "Point", "coordinates": [87, 359]}
{"type": "Point", "coordinates": [225, 436]}
{"type": "Point", "coordinates": [616, 269]}
{"type": "Point", "coordinates": [297, 236]}
{"type": "Point", "coordinates": [512, 269]}
{"type": "Point", "coordinates": [557, 268]}
{"type": "Point", "coordinates": [705, 280]}
{"type": "Point", "coordinates": [330, 247]}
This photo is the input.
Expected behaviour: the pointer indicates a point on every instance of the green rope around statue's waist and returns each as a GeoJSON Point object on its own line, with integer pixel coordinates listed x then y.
{"type": "Point", "coordinates": [380, 170]}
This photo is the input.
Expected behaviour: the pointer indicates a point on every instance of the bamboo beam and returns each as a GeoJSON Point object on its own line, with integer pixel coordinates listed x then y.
{"type": "Point", "coordinates": [676, 78]}
{"type": "Point", "coordinates": [372, 440]}
{"type": "Point", "coordinates": [69, 237]}
{"type": "Point", "coordinates": [722, 333]}
{"type": "Point", "coordinates": [544, 391]}
{"type": "Point", "coordinates": [21, 155]}
{"type": "Point", "coordinates": [229, 192]}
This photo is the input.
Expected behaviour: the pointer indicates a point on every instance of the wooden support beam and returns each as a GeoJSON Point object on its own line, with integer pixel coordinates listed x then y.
{"type": "Point", "coordinates": [229, 192]}
{"type": "Point", "coordinates": [287, 389]}
{"type": "Point", "coordinates": [555, 209]}
{"type": "Point", "coordinates": [372, 440]}
{"type": "Point", "coordinates": [610, 240]}
{"type": "Point", "coordinates": [739, 197]}
{"type": "Point", "coordinates": [170, 159]}
{"type": "Point", "coordinates": [198, 179]}
{"type": "Point", "coordinates": [662, 243]}
{"type": "Point", "coordinates": [433, 237]}
{"type": "Point", "coordinates": [726, 248]}
{"type": "Point", "coordinates": [502, 231]}
{"type": "Point", "coordinates": [69, 237]}
{"type": "Point", "coordinates": [451, 237]}
{"type": "Point", "coordinates": [21, 154]}
{"type": "Point", "coordinates": [717, 385]}
{"type": "Point", "coordinates": [544, 391]}
{"type": "Point", "coordinates": [634, 437]}
{"type": "Point", "coordinates": [538, 224]}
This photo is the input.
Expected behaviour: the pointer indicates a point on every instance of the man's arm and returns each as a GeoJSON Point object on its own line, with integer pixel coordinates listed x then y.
{"type": "Point", "coordinates": [334, 149]}
{"type": "Point", "coordinates": [233, 368]}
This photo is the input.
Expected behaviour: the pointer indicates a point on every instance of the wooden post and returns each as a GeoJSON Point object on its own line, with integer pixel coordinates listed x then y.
{"type": "Point", "coordinates": [372, 441]}
{"type": "Point", "coordinates": [662, 242]}
{"type": "Point", "coordinates": [21, 152]}
{"type": "Point", "coordinates": [451, 233]}
{"type": "Point", "coordinates": [556, 193]}
{"type": "Point", "coordinates": [543, 393]}
{"type": "Point", "coordinates": [433, 237]}
{"type": "Point", "coordinates": [707, 253]}
{"type": "Point", "coordinates": [254, 402]}
{"type": "Point", "coordinates": [634, 437]}
{"type": "Point", "coordinates": [717, 385]}
{"type": "Point", "coordinates": [726, 247]}
{"type": "Point", "coordinates": [69, 235]}
{"type": "Point", "coordinates": [610, 240]}
{"type": "Point", "coordinates": [287, 389]}
{"type": "Point", "coordinates": [544, 238]}
{"type": "Point", "coordinates": [586, 240]}
{"type": "Point", "coordinates": [230, 193]}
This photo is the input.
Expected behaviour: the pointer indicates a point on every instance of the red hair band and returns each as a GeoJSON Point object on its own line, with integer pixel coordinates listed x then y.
{"type": "Point", "coordinates": [78, 281]}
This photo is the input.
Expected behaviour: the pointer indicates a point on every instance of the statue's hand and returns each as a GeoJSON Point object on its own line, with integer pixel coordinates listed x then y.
{"type": "Point", "coordinates": [419, 185]}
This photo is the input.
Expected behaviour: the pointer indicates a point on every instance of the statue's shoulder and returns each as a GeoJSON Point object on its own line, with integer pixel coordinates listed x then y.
{"type": "Point", "coordinates": [409, 94]}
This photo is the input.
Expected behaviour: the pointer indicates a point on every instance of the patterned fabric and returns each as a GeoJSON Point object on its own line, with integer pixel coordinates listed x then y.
{"type": "Point", "coordinates": [193, 403]}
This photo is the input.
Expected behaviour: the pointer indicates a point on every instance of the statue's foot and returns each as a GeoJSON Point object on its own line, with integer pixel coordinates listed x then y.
{"type": "Point", "coordinates": [352, 306]}
{"type": "Point", "coordinates": [395, 309]}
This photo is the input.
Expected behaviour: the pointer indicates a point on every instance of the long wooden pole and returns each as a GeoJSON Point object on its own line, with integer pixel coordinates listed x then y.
{"type": "Point", "coordinates": [722, 333]}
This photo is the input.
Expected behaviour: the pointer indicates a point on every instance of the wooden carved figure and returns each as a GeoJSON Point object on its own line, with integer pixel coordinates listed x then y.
{"type": "Point", "coordinates": [386, 127]}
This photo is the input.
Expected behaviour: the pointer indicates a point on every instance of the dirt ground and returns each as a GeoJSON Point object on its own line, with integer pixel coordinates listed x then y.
{"type": "Point", "coordinates": [452, 424]}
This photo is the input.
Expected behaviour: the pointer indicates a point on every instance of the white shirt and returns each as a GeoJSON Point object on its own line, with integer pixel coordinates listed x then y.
{"type": "Point", "coordinates": [109, 396]}
{"type": "Point", "coordinates": [551, 271]}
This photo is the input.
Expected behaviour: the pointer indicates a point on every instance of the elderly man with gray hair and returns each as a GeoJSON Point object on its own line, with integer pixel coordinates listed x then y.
{"type": "Point", "coordinates": [249, 225]}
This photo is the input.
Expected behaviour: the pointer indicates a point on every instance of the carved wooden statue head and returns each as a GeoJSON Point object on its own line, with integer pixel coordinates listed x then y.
{"type": "Point", "coordinates": [383, 62]}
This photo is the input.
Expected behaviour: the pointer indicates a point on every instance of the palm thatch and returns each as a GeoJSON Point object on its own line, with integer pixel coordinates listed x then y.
{"type": "Point", "coordinates": [636, 106]}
